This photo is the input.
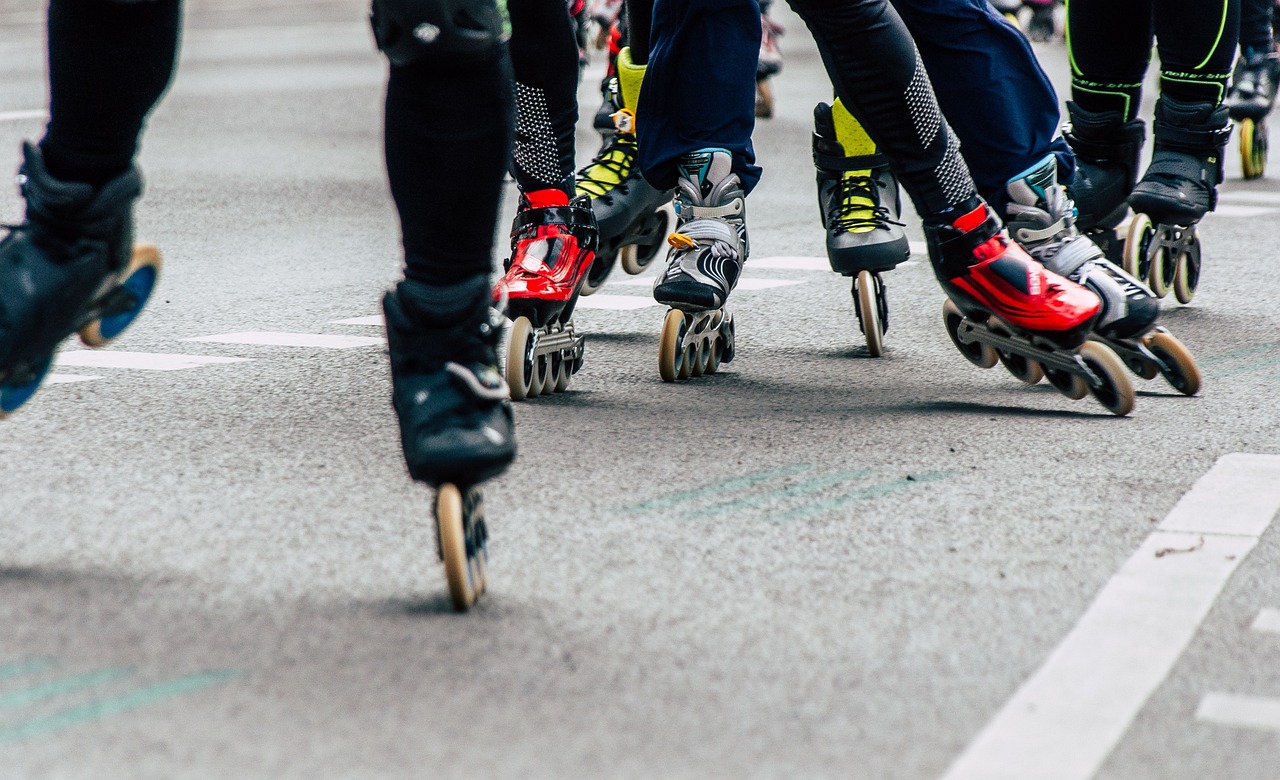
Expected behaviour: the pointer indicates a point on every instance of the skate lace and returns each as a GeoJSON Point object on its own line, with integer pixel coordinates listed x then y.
{"type": "Point", "coordinates": [859, 209]}
{"type": "Point", "coordinates": [609, 170]}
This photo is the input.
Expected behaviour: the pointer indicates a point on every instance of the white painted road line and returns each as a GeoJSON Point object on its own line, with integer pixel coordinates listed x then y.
{"type": "Point", "coordinates": [616, 302]}
{"type": "Point", "coordinates": [790, 263]}
{"type": "Point", "coordinates": [1249, 196]}
{"type": "Point", "coordinates": [1267, 622]}
{"type": "Point", "coordinates": [745, 283]}
{"type": "Point", "coordinates": [66, 379]}
{"type": "Point", "coordinates": [1228, 709]}
{"type": "Point", "coordinates": [374, 320]}
{"type": "Point", "coordinates": [317, 340]}
{"type": "Point", "coordinates": [149, 361]}
{"type": "Point", "coordinates": [1232, 210]}
{"type": "Point", "coordinates": [1067, 717]}
{"type": "Point", "coordinates": [14, 116]}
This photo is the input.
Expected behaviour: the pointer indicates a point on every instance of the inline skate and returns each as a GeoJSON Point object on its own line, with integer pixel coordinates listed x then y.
{"type": "Point", "coordinates": [553, 243]}
{"type": "Point", "coordinates": [707, 252]}
{"type": "Point", "coordinates": [1106, 149]}
{"type": "Point", "coordinates": [1041, 217]}
{"type": "Point", "coordinates": [71, 266]}
{"type": "Point", "coordinates": [634, 218]}
{"type": "Point", "coordinates": [1177, 190]}
{"type": "Point", "coordinates": [769, 63]}
{"type": "Point", "coordinates": [1253, 93]}
{"type": "Point", "coordinates": [456, 424]}
{"type": "Point", "coordinates": [859, 205]}
{"type": "Point", "coordinates": [1005, 307]}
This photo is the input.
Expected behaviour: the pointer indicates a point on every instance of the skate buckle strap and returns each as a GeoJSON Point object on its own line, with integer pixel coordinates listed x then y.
{"type": "Point", "coordinates": [624, 121]}
{"type": "Point", "coordinates": [857, 163]}
{"type": "Point", "coordinates": [681, 241]}
{"type": "Point", "coordinates": [1031, 235]}
{"type": "Point", "coordinates": [712, 230]}
{"type": "Point", "coordinates": [490, 387]}
{"type": "Point", "coordinates": [689, 211]}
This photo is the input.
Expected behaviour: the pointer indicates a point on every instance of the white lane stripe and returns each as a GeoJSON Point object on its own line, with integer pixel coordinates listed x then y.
{"type": "Point", "coordinates": [1267, 622]}
{"type": "Point", "coordinates": [790, 263]}
{"type": "Point", "coordinates": [616, 302]}
{"type": "Point", "coordinates": [1067, 717]}
{"type": "Point", "coordinates": [1231, 210]}
{"type": "Point", "coordinates": [149, 361]}
{"type": "Point", "coordinates": [66, 379]}
{"type": "Point", "coordinates": [745, 283]}
{"type": "Point", "coordinates": [317, 340]}
{"type": "Point", "coordinates": [1249, 196]}
{"type": "Point", "coordinates": [13, 116]}
{"type": "Point", "coordinates": [373, 320]}
{"type": "Point", "coordinates": [1228, 709]}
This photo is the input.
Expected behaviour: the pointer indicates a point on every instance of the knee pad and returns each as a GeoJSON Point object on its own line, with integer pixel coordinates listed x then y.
{"type": "Point", "coordinates": [411, 30]}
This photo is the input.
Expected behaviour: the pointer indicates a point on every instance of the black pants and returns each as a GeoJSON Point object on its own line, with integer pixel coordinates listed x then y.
{"type": "Point", "coordinates": [544, 56]}
{"type": "Point", "coordinates": [1110, 45]}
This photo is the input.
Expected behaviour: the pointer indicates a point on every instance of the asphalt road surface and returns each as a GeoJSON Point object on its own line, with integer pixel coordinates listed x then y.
{"type": "Point", "coordinates": [813, 564]}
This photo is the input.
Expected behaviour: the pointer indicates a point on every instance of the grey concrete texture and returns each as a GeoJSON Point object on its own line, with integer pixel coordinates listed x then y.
{"type": "Point", "coordinates": [929, 535]}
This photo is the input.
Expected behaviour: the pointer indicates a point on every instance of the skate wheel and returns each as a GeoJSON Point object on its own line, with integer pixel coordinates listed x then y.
{"type": "Point", "coordinates": [138, 281]}
{"type": "Point", "coordinates": [1116, 392]}
{"type": "Point", "coordinates": [463, 570]}
{"type": "Point", "coordinates": [1144, 256]}
{"type": "Point", "coordinates": [564, 370]}
{"type": "Point", "coordinates": [1025, 369]}
{"type": "Point", "coordinates": [542, 380]}
{"type": "Point", "coordinates": [1183, 373]}
{"type": "Point", "coordinates": [764, 99]}
{"type": "Point", "coordinates": [17, 392]}
{"type": "Point", "coordinates": [1186, 276]}
{"type": "Point", "coordinates": [595, 276]}
{"type": "Point", "coordinates": [977, 353]}
{"type": "Point", "coordinates": [715, 352]}
{"type": "Point", "coordinates": [1067, 383]}
{"type": "Point", "coordinates": [520, 369]}
{"type": "Point", "coordinates": [635, 258]}
{"type": "Point", "coordinates": [1253, 148]}
{"type": "Point", "coordinates": [866, 296]}
{"type": "Point", "coordinates": [671, 362]}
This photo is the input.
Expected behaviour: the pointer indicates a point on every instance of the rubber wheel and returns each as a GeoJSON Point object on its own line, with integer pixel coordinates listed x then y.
{"type": "Point", "coordinates": [12, 396]}
{"type": "Point", "coordinates": [670, 355]}
{"type": "Point", "coordinates": [1116, 393]}
{"type": "Point", "coordinates": [1070, 385]}
{"type": "Point", "coordinates": [1186, 276]}
{"type": "Point", "coordinates": [596, 275]}
{"type": "Point", "coordinates": [1253, 148]}
{"type": "Point", "coordinates": [1184, 374]}
{"type": "Point", "coordinates": [696, 358]}
{"type": "Point", "coordinates": [1025, 369]}
{"type": "Point", "coordinates": [1137, 249]}
{"type": "Point", "coordinates": [629, 256]}
{"type": "Point", "coordinates": [139, 280]}
{"type": "Point", "coordinates": [714, 354]}
{"type": "Point", "coordinates": [564, 371]}
{"type": "Point", "coordinates": [979, 354]}
{"type": "Point", "coordinates": [865, 291]}
{"type": "Point", "coordinates": [519, 368]}
{"type": "Point", "coordinates": [764, 99]}
{"type": "Point", "coordinates": [458, 571]}
{"type": "Point", "coordinates": [542, 380]}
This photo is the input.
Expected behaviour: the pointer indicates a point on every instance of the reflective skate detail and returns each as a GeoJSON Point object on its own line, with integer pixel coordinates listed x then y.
{"type": "Point", "coordinates": [1093, 368]}
{"type": "Point", "coordinates": [693, 344]}
{"type": "Point", "coordinates": [1158, 353]}
{"type": "Point", "coordinates": [540, 361]}
{"type": "Point", "coordinates": [462, 541]}
{"type": "Point", "coordinates": [1166, 256]}
{"type": "Point", "coordinates": [1253, 148]}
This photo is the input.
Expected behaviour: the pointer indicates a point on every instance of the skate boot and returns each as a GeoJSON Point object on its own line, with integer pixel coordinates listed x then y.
{"type": "Point", "coordinates": [634, 218]}
{"type": "Point", "coordinates": [1107, 150]}
{"type": "Point", "coordinates": [71, 266]}
{"type": "Point", "coordinates": [707, 252]}
{"type": "Point", "coordinates": [860, 208]}
{"type": "Point", "coordinates": [1178, 189]}
{"type": "Point", "coordinates": [1005, 307]}
{"type": "Point", "coordinates": [553, 243]}
{"type": "Point", "coordinates": [1041, 218]}
{"type": "Point", "coordinates": [456, 424]}
{"type": "Point", "coordinates": [1253, 93]}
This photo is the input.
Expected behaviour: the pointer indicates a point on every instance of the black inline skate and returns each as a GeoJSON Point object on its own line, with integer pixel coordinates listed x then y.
{"type": "Point", "coordinates": [1041, 217]}
{"type": "Point", "coordinates": [1177, 190]}
{"type": "Point", "coordinates": [860, 208]}
{"type": "Point", "coordinates": [1107, 149]}
{"type": "Point", "coordinates": [634, 218]}
{"type": "Point", "coordinates": [1252, 94]}
{"type": "Point", "coordinates": [456, 423]}
{"type": "Point", "coordinates": [71, 266]}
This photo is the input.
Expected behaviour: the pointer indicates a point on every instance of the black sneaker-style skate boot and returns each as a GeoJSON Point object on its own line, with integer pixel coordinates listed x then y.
{"type": "Point", "coordinates": [456, 423]}
{"type": "Point", "coordinates": [1107, 150]}
{"type": "Point", "coordinates": [70, 266]}
{"type": "Point", "coordinates": [1253, 85]}
{"type": "Point", "coordinates": [1181, 184]}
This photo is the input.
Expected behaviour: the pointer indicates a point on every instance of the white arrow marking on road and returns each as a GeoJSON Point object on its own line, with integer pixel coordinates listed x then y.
{"type": "Point", "coordinates": [616, 302]}
{"type": "Point", "coordinates": [745, 283]}
{"type": "Point", "coordinates": [149, 361]}
{"type": "Point", "coordinates": [1227, 709]}
{"type": "Point", "coordinates": [1065, 720]}
{"type": "Point", "coordinates": [66, 379]}
{"type": "Point", "coordinates": [13, 116]}
{"type": "Point", "coordinates": [790, 263]}
{"type": "Point", "coordinates": [318, 340]}
{"type": "Point", "coordinates": [1267, 622]}
{"type": "Point", "coordinates": [373, 320]}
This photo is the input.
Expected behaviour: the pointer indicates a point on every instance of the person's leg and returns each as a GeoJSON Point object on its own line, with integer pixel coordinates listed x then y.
{"type": "Point", "coordinates": [68, 265]}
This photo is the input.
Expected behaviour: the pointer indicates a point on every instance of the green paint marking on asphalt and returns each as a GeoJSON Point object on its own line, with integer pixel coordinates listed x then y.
{"type": "Point", "coordinates": [20, 668]}
{"type": "Point", "coordinates": [1246, 369]}
{"type": "Point", "coordinates": [60, 687]}
{"type": "Point", "coordinates": [864, 493]}
{"type": "Point", "coordinates": [113, 705]}
{"type": "Point", "coordinates": [1227, 357]}
{"type": "Point", "coordinates": [800, 488]}
{"type": "Point", "coordinates": [732, 484]}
